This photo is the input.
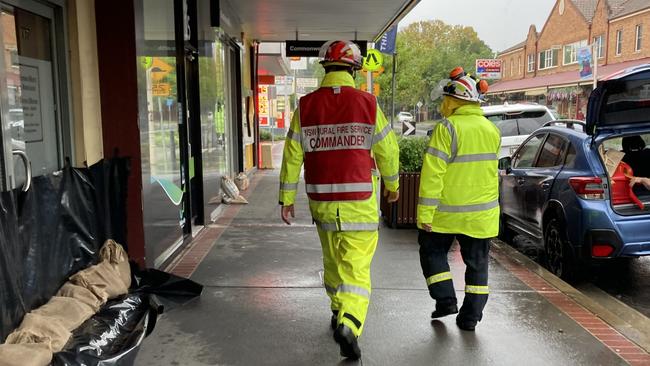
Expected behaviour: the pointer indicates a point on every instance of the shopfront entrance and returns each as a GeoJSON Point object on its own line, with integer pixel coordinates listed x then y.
{"type": "Point", "coordinates": [189, 90]}
{"type": "Point", "coordinates": [33, 136]}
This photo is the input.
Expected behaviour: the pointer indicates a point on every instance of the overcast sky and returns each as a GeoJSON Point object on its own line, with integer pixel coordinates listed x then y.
{"type": "Point", "coordinates": [499, 23]}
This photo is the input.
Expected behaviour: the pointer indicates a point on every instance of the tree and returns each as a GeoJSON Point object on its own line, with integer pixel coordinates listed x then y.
{"type": "Point", "coordinates": [426, 52]}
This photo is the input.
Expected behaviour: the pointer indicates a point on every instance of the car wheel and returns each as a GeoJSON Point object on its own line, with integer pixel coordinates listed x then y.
{"type": "Point", "coordinates": [558, 255]}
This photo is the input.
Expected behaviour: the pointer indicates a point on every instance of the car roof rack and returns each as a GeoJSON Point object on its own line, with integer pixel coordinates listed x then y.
{"type": "Point", "coordinates": [569, 123]}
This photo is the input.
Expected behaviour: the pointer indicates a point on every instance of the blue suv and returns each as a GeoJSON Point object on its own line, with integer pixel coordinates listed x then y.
{"type": "Point", "coordinates": [556, 187]}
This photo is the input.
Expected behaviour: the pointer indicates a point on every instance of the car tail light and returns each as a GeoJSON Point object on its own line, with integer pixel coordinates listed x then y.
{"type": "Point", "coordinates": [601, 250]}
{"type": "Point", "coordinates": [589, 188]}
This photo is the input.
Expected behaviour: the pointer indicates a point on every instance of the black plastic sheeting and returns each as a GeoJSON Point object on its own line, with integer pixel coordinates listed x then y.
{"type": "Point", "coordinates": [113, 336]}
{"type": "Point", "coordinates": [54, 230]}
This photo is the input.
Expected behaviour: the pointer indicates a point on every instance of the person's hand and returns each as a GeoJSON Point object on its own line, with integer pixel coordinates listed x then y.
{"type": "Point", "coordinates": [285, 211]}
{"type": "Point", "coordinates": [392, 196]}
{"type": "Point", "coordinates": [426, 227]}
{"type": "Point", "coordinates": [640, 180]}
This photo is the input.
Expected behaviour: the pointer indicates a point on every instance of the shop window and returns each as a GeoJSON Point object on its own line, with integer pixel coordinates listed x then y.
{"type": "Point", "coordinates": [639, 38]}
{"type": "Point", "coordinates": [619, 42]}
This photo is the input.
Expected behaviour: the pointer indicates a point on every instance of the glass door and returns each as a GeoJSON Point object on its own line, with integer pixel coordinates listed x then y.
{"type": "Point", "coordinates": [30, 127]}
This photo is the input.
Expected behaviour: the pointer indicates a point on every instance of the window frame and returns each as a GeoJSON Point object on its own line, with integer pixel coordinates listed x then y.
{"type": "Point", "coordinates": [548, 55]}
{"type": "Point", "coordinates": [543, 136]}
{"type": "Point", "coordinates": [560, 157]}
{"type": "Point", "coordinates": [600, 46]}
{"type": "Point", "coordinates": [531, 62]}
{"type": "Point", "coordinates": [638, 41]}
{"type": "Point", "coordinates": [619, 42]}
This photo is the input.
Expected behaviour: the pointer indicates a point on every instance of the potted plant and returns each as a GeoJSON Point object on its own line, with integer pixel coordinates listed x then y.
{"type": "Point", "coordinates": [403, 213]}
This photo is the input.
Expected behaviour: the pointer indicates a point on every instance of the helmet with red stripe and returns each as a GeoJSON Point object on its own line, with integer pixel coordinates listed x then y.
{"type": "Point", "coordinates": [464, 86]}
{"type": "Point", "coordinates": [343, 53]}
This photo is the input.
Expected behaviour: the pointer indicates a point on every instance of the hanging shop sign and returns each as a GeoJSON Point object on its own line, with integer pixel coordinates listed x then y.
{"type": "Point", "coordinates": [263, 104]}
{"type": "Point", "coordinates": [312, 48]}
{"type": "Point", "coordinates": [488, 68]}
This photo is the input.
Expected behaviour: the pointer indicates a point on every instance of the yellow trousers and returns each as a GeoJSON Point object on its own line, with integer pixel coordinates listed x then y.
{"type": "Point", "coordinates": [347, 256]}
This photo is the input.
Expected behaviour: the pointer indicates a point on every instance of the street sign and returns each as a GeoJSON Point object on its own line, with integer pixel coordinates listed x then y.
{"type": "Point", "coordinates": [375, 88]}
{"type": "Point", "coordinates": [161, 89]}
{"type": "Point", "coordinates": [419, 104]}
{"type": "Point", "coordinates": [373, 60]}
{"type": "Point", "coordinates": [408, 128]}
{"type": "Point", "coordinates": [375, 73]}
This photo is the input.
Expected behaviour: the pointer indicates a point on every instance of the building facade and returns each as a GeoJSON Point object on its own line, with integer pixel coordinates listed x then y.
{"type": "Point", "coordinates": [545, 68]}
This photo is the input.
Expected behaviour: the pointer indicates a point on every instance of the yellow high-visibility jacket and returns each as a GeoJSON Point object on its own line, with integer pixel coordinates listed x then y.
{"type": "Point", "coordinates": [459, 183]}
{"type": "Point", "coordinates": [342, 215]}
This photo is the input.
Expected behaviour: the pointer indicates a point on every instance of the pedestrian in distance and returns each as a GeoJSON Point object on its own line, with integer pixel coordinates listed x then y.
{"type": "Point", "coordinates": [343, 138]}
{"type": "Point", "coordinates": [459, 198]}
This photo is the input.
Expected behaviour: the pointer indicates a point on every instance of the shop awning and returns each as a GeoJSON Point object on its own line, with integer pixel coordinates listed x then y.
{"type": "Point", "coordinates": [537, 85]}
{"type": "Point", "coordinates": [280, 20]}
{"type": "Point", "coordinates": [272, 65]}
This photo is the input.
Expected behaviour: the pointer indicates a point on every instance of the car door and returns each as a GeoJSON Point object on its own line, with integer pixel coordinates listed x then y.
{"type": "Point", "coordinates": [535, 185]}
{"type": "Point", "coordinates": [511, 189]}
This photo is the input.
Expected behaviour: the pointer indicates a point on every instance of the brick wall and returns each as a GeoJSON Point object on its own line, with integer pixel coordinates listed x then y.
{"type": "Point", "coordinates": [559, 30]}
{"type": "Point", "coordinates": [600, 27]}
{"type": "Point", "coordinates": [514, 64]}
{"type": "Point", "coordinates": [628, 27]}
{"type": "Point", "coordinates": [531, 49]}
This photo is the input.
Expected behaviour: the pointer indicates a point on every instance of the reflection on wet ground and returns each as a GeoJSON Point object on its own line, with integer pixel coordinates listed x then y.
{"type": "Point", "coordinates": [626, 279]}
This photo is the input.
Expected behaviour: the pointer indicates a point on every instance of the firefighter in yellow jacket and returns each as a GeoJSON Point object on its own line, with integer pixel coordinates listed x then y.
{"type": "Point", "coordinates": [459, 198]}
{"type": "Point", "coordinates": [342, 137]}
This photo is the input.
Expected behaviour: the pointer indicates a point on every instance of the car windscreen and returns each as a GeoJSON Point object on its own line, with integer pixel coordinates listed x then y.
{"type": "Point", "coordinates": [627, 102]}
{"type": "Point", "coordinates": [519, 123]}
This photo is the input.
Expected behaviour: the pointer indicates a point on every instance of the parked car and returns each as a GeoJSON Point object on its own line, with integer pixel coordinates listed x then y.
{"type": "Point", "coordinates": [556, 188]}
{"type": "Point", "coordinates": [516, 122]}
{"type": "Point", "coordinates": [404, 117]}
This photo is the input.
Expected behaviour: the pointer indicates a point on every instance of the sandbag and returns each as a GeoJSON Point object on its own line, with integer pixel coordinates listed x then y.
{"type": "Point", "coordinates": [115, 254]}
{"type": "Point", "coordinates": [69, 312]}
{"type": "Point", "coordinates": [39, 329]}
{"type": "Point", "coordinates": [229, 188]}
{"type": "Point", "coordinates": [30, 354]}
{"type": "Point", "coordinates": [242, 182]}
{"type": "Point", "coordinates": [102, 279]}
{"type": "Point", "coordinates": [80, 293]}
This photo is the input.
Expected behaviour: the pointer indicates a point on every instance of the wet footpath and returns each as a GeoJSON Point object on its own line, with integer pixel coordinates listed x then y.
{"type": "Point", "coordinates": [264, 304]}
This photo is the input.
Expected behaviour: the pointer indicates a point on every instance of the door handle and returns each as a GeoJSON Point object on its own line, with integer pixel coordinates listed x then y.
{"type": "Point", "coordinates": [546, 185]}
{"type": "Point", "coordinates": [521, 181]}
{"type": "Point", "coordinates": [28, 168]}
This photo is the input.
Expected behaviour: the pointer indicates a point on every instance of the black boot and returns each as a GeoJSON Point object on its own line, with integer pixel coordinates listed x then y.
{"type": "Point", "coordinates": [348, 342]}
{"type": "Point", "coordinates": [464, 324]}
{"type": "Point", "coordinates": [444, 310]}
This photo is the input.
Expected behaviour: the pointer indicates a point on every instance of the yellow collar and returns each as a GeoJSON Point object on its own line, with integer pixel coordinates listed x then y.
{"type": "Point", "coordinates": [337, 78]}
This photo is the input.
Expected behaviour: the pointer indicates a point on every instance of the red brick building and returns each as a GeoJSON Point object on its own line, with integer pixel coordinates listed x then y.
{"type": "Point", "coordinates": [544, 68]}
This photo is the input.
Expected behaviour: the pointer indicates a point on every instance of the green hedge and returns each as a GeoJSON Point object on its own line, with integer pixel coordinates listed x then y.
{"type": "Point", "coordinates": [411, 153]}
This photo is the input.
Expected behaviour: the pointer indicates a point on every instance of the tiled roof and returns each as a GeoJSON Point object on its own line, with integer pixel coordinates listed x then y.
{"type": "Point", "coordinates": [587, 8]}
{"type": "Point", "coordinates": [619, 8]}
{"type": "Point", "coordinates": [515, 47]}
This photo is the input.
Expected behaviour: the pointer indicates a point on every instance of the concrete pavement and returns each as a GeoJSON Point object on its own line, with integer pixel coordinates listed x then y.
{"type": "Point", "coordinates": [264, 304]}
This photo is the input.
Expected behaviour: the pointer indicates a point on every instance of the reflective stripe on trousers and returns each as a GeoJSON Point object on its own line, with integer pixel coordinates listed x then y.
{"type": "Point", "coordinates": [443, 276]}
{"type": "Point", "coordinates": [477, 290]}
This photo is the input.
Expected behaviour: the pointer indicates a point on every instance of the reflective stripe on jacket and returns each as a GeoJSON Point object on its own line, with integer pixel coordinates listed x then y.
{"type": "Point", "coordinates": [341, 215]}
{"type": "Point", "coordinates": [459, 186]}
{"type": "Point", "coordinates": [337, 125]}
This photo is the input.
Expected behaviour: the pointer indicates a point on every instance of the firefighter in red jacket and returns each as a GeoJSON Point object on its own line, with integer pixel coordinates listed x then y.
{"type": "Point", "coordinates": [342, 137]}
